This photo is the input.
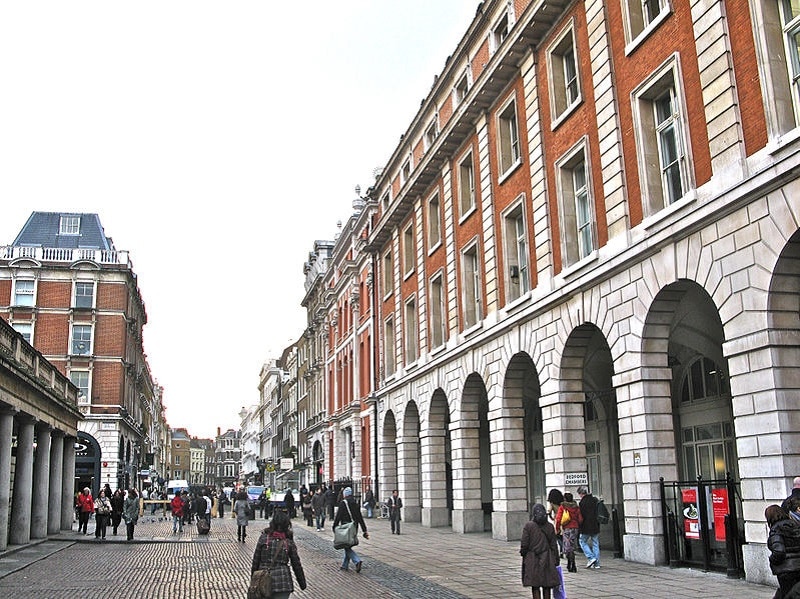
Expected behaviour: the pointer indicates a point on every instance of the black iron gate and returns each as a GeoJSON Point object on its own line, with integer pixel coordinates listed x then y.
{"type": "Point", "coordinates": [702, 525]}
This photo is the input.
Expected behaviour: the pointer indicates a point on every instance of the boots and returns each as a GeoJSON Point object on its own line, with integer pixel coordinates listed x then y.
{"type": "Point", "coordinates": [571, 567]}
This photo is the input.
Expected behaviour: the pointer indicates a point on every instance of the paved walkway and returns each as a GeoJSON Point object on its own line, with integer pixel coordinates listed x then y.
{"type": "Point", "coordinates": [419, 564]}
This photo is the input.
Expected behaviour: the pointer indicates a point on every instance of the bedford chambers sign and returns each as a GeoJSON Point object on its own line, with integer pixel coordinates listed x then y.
{"type": "Point", "coordinates": [576, 479]}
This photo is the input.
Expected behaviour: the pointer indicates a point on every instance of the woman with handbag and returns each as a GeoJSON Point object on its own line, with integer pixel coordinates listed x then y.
{"type": "Point", "coordinates": [539, 551]}
{"type": "Point", "coordinates": [102, 514]}
{"type": "Point", "coordinates": [130, 511]}
{"type": "Point", "coordinates": [349, 513]}
{"type": "Point", "coordinates": [568, 520]}
{"type": "Point", "coordinates": [275, 549]}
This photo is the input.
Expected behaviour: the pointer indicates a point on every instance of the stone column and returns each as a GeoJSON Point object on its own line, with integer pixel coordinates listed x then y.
{"type": "Point", "coordinates": [467, 508]}
{"type": "Point", "coordinates": [507, 439]}
{"type": "Point", "coordinates": [20, 532]}
{"type": "Point", "coordinates": [408, 477]}
{"type": "Point", "coordinates": [41, 482]}
{"type": "Point", "coordinates": [434, 478]}
{"type": "Point", "coordinates": [6, 431]}
{"type": "Point", "coordinates": [56, 482]}
{"type": "Point", "coordinates": [68, 484]}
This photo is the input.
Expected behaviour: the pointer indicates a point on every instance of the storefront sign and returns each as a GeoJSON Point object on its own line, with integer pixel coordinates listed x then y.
{"type": "Point", "coordinates": [576, 479]}
{"type": "Point", "coordinates": [719, 500]}
{"type": "Point", "coordinates": [691, 515]}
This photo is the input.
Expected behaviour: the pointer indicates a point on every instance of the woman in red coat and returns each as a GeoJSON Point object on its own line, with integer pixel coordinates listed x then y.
{"type": "Point", "coordinates": [539, 551]}
{"type": "Point", "coordinates": [568, 519]}
{"type": "Point", "coordinates": [85, 503]}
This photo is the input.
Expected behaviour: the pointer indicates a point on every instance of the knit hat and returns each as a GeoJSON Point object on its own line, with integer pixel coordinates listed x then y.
{"type": "Point", "coordinates": [347, 492]}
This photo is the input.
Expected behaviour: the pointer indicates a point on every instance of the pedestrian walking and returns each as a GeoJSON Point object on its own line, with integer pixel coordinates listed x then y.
{"type": "Point", "coordinates": [554, 499]}
{"type": "Point", "coordinates": [176, 505]}
{"type": "Point", "coordinates": [783, 543]}
{"type": "Point", "coordinates": [275, 550]}
{"type": "Point", "coordinates": [794, 494]}
{"type": "Point", "coordinates": [288, 501]}
{"type": "Point", "coordinates": [539, 551]}
{"type": "Point", "coordinates": [349, 512]}
{"type": "Point", "coordinates": [369, 502]}
{"type": "Point", "coordinates": [262, 504]}
{"type": "Point", "coordinates": [568, 519]}
{"type": "Point", "coordinates": [241, 507]}
{"type": "Point", "coordinates": [117, 505]}
{"type": "Point", "coordinates": [318, 507]}
{"type": "Point", "coordinates": [221, 499]}
{"type": "Point", "coordinates": [330, 501]}
{"type": "Point", "coordinates": [589, 528]}
{"type": "Point", "coordinates": [102, 514]}
{"type": "Point", "coordinates": [308, 510]}
{"type": "Point", "coordinates": [85, 508]}
{"type": "Point", "coordinates": [395, 504]}
{"type": "Point", "coordinates": [130, 512]}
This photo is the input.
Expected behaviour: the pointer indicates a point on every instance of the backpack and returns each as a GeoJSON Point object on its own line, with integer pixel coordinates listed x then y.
{"type": "Point", "coordinates": [565, 517]}
{"type": "Point", "coordinates": [602, 512]}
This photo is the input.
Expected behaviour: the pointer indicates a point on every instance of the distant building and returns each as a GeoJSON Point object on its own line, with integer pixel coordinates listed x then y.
{"type": "Point", "coordinates": [181, 467]}
{"type": "Point", "coordinates": [67, 290]}
{"type": "Point", "coordinates": [228, 456]}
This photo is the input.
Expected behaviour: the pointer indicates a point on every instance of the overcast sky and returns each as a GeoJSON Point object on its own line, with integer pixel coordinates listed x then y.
{"type": "Point", "coordinates": [217, 141]}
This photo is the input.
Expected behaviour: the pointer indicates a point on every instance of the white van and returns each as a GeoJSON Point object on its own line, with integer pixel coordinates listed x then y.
{"type": "Point", "coordinates": [176, 486]}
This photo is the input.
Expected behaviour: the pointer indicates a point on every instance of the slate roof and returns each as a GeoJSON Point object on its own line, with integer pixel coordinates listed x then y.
{"type": "Point", "coordinates": [42, 230]}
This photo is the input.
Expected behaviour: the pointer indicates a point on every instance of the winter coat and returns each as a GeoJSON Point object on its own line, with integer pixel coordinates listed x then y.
{"type": "Point", "coordinates": [241, 507]}
{"type": "Point", "coordinates": [102, 506]}
{"type": "Point", "coordinates": [117, 503]}
{"type": "Point", "coordinates": [130, 509]}
{"type": "Point", "coordinates": [176, 505]}
{"type": "Point", "coordinates": [590, 524]}
{"type": "Point", "coordinates": [539, 551]}
{"type": "Point", "coordinates": [274, 552]}
{"type": "Point", "coordinates": [318, 503]}
{"type": "Point", "coordinates": [86, 502]}
{"type": "Point", "coordinates": [343, 516]}
{"type": "Point", "coordinates": [575, 516]}
{"type": "Point", "coordinates": [784, 546]}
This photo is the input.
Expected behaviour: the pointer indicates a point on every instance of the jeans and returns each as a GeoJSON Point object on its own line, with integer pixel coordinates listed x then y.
{"type": "Point", "coordinates": [370, 508]}
{"type": "Point", "coordinates": [591, 547]}
{"type": "Point", "coordinates": [177, 523]}
{"type": "Point", "coordinates": [320, 519]}
{"type": "Point", "coordinates": [349, 554]}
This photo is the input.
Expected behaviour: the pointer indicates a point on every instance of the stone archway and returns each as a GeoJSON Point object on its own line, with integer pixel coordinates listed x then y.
{"type": "Point", "coordinates": [388, 454]}
{"type": "Point", "coordinates": [409, 475]}
{"type": "Point", "coordinates": [437, 465]}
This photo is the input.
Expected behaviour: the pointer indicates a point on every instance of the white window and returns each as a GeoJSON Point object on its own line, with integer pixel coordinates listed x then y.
{"type": "Point", "coordinates": [472, 288]}
{"type": "Point", "coordinates": [388, 274]}
{"type": "Point", "coordinates": [69, 225]}
{"type": "Point", "coordinates": [516, 252]}
{"type": "Point", "coordinates": [385, 200]}
{"type": "Point", "coordinates": [499, 33]}
{"type": "Point", "coordinates": [80, 378]}
{"type": "Point", "coordinates": [437, 311]}
{"type": "Point", "coordinates": [576, 207]}
{"type": "Point", "coordinates": [25, 329]}
{"type": "Point", "coordinates": [81, 339]}
{"type": "Point", "coordinates": [565, 89]}
{"type": "Point", "coordinates": [388, 346]}
{"type": "Point", "coordinates": [508, 137]}
{"type": "Point", "coordinates": [412, 331]}
{"type": "Point", "coordinates": [662, 151]}
{"type": "Point", "coordinates": [84, 294]}
{"type": "Point", "coordinates": [790, 18]}
{"type": "Point", "coordinates": [461, 88]}
{"type": "Point", "coordinates": [408, 250]}
{"type": "Point", "coordinates": [434, 221]}
{"type": "Point", "coordinates": [466, 185]}
{"type": "Point", "coordinates": [405, 171]}
{"type": "Point", "coordinates": [23, 292]}
{"type": "Point", "coordinates": [641, 17]}
{"type": "Point", "coordinates": [431, 133]}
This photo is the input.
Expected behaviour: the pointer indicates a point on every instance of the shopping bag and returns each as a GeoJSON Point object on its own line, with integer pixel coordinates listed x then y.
{"type": "Point", "coordinates": [345, 535]}
{"type": "Point", "coordinates": [560, 592]}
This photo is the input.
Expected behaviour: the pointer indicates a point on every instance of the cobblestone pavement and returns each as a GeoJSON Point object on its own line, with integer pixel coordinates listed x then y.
{"type": "Point", "coordinates": [419, 564]}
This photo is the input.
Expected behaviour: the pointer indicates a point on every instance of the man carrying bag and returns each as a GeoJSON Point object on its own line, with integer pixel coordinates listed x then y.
{"type": "Point", "coordinates": [346, 536]}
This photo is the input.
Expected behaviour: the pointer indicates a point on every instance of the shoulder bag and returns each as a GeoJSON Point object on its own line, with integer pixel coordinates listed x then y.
{"type": "Point", "coordinates": [261, 580]}
{"type": "Point", "coordinates": [346, 535]}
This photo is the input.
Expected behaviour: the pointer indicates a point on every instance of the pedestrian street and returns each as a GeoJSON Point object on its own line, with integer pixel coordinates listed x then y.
{"type": "Point", "coordinates": [419, 564]}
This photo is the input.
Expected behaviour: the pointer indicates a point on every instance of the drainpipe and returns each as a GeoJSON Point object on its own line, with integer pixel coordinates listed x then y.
{"type": "Point", "coordinates": [374, 381]}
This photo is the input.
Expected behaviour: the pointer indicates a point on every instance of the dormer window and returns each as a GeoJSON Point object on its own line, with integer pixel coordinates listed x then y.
{"type": "Point", "coordinates": [69, 225]}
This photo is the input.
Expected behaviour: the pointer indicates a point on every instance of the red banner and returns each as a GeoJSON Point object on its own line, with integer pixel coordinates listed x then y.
{"type": "Point", "coordinates": [691, 516]}
{"type": "Point", "coordinates": [719, 499]}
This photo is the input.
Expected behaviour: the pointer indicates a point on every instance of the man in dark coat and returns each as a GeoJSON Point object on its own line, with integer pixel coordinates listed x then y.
{"type": "Point", "coordinates": [395, 504]}
{"type": "Point", "coordinates": [288, 500]}
{"type": "Point", "coordinates": [795, 494]}
{"type": "Point", "coordinates": [590, 528]}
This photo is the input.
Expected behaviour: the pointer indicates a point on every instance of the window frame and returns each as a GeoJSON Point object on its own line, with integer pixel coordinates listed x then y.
{"type": "Point", "coordinates": [87, 395]}
{"type": "Point", "coordinates": [389, 347]}
{"type": "Point", "coordinates": [509, 145]}
{"type": "Point", "coordinates": [499, 32]}
{"type": "Point", "coordinates": [409, 250]}
{"type": "Point", "coordinates": [29, 292]}
{"type": "Point", "coordinates": [405, 171]}
{"type": "Point", "coordinates": [438, 308]}
{"type": "Point", "coordinates": [471, 286]}
{"type": "Point", "coordinates": [561, 106]}
{"type": "Point", "coordinates": [388, 274]}
{"type": "Point", "coordinates": [790, 28]}
{"type": "Point", "coordinates": [74, 341]}
{"type": "Point", "coordinates": [25, 329]}
{"type": "Point", "coordinates": [462, 86]}
{"type": "Point", "coordinates": [76, 302]}
{"type": "Point", "coordinates": [516, 251]}
{"type": "Point", "coordinates": [648, 147]}
{"type": "Point", "coordinates": [411, 330]}
{"type": "Point", "coordinates": [434, 215]}
{"type": "Point", "coordinates": [431, 133]}
{"type": "Point", "coordinates": [469, 193]}
{"type": "Point", "coordinates": [570, 227]}
{"type": "Point", "coordinates": [636, 27]}
{"type": "Point", "coordinates": [69, 224]}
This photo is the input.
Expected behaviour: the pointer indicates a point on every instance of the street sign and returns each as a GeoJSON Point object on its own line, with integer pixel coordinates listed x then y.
{"type": "Point", "coordinates": [576, 479]}
{"type": "Point", "coordinates": [287, 463]}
